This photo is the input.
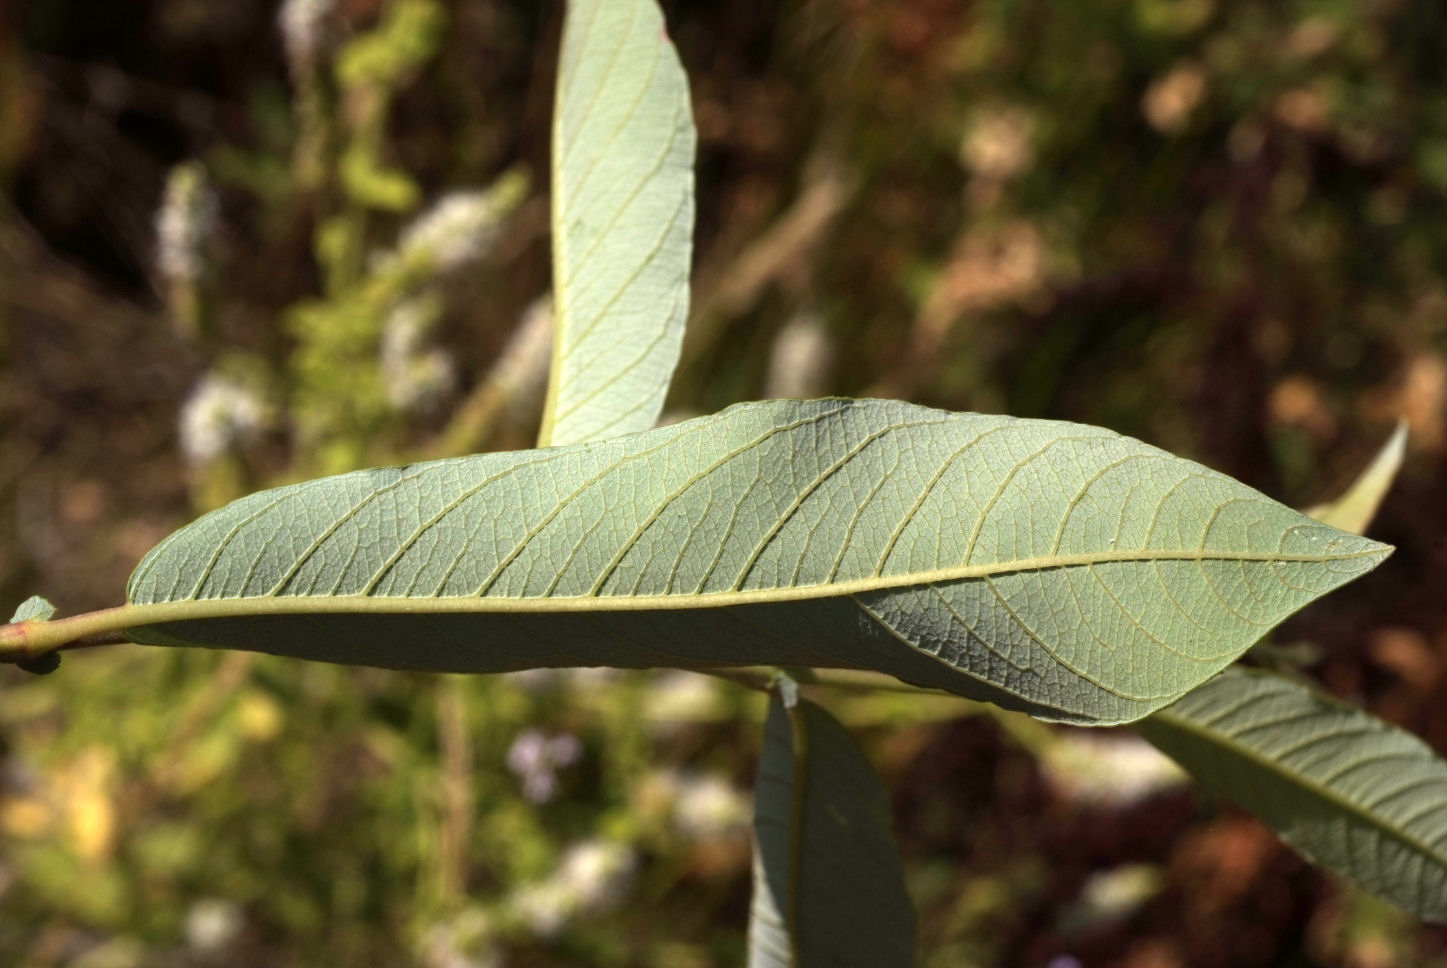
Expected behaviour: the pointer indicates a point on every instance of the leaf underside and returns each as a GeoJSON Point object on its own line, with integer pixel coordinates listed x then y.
{"type": "Point", "coordinates": [828, 881]}
{"type": "Point", "coordinates": [1054, 568]}
{"type": "Point", "coordinates": [623, 146]}
{"type": "Point", "coordinates": [1352, 793]}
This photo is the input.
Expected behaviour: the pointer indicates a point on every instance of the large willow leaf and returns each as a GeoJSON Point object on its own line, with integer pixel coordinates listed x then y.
{"type": "Point", "coordinates": [1050, 567]}
{"type": "Point", "coordinates": [622, 200]}
{"type": "Point", "coordinates": [1352, 793]}
{"type": "Point", "coordinates": [828, 881]}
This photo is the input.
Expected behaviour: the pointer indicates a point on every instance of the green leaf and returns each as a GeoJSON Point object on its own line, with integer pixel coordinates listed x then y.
{"type": "Point", "coordinates": [622, 201]}
{"type": "Point", "coordinates": [33, 609]}
{"type": "Point", "coordinates": [1353, 794]}
{"type": "Point", "coordinates": [1054, 568]}
{"type": "Point", "coordinates": [828, 881]}
{"type": "Point", "coordinates": [1354, 510]}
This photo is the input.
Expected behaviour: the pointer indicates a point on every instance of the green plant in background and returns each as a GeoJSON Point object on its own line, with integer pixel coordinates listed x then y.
{"type": "Point", "coordinates": [1053, 569]}
{"type": "Point", "coordinates": [379, 304]}
{"type": "Point", "coordinates": [361, 360]}
{"type": "Point", "coordinates": [385, 317]}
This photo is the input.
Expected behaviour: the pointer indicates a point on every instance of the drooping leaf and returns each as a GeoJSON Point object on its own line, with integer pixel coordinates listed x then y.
{"type": "Point", "coordinates": [1352, 793]}
{"type": "Point", "coordinates": [1354, 510]}
{"type": "Point", "coordinates": [1050, 567]}
{"type": "Point", "coordinates": [623, 143]}
{"type": "Point", "coordinates": [828, 881]}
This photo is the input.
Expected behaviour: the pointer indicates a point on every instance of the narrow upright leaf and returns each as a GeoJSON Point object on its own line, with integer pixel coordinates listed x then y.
{"type": "Point", "coordinates": [1352, 793]}
{"type": "Point", "coordinates": [1354, 510]}
{"type": "Point", "coordinates": [623, 144]}
{"type": "Point", "coordinates": [1050, 567]}
{"type": "Point", "coordinates": [828, 882]}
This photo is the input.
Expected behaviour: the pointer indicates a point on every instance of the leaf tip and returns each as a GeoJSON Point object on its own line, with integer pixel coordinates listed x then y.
{"type": "Point", "coordinates": [1356, 555]}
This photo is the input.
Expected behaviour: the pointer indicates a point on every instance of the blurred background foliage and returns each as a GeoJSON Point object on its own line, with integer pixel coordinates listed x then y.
{"type": "Point", "coordinates": [242, 244]}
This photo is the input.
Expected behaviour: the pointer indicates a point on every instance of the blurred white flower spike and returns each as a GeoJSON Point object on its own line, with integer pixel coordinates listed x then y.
{"type": "Point", "coordinates": [535, 758]}
{"type": "Point", "coordinates": [219, 414]}
{"type": "Point", "coordinates": [800, 359]}
{"type": "Point", "coordinates": [459, 228]}
{"type": "Point", "coordinates": [521, 372]}
{"type": "Point", "coordinates": [184, 223]}
{"type": "Point", "coordinates": [414, 374]}
{"type": "Point", "coordinates": [301, 23]}
{"type": "Point", "coordinates": [592, 878]}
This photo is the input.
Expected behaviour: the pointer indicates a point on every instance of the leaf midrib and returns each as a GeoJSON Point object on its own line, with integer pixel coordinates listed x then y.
{"type": "Point", "coordinates": [354, 603]}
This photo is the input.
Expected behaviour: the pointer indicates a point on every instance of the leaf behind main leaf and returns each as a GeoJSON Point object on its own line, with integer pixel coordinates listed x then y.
{"type": "Point", "coordinates": [622, 200]}
{"type": "Point", "coordinates": [1354, 794]}
{"type": "Point", "coordinates": [1354, 510]}
{"type": "Point", "coordinates": [1050, 567]}
{"type": "Point", "coordinates": [828, 881]}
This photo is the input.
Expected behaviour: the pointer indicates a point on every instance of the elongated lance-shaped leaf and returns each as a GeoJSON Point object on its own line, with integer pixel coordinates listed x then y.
{"type": "Point", "coordinates": [1352, 793]}
{"type": "Point", "coordinates": [623, 144]}
{"type": "Point", "coordinates": [1050, 567]}
{"type": "Point", "coordinates": [1354, 510]}
{"type": "Point", "coordinates": [828, 881]}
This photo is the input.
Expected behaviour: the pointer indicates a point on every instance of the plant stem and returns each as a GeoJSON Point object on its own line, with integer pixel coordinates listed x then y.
{"type": "Point", "coordinates": [21, 641]}
{"type": "Point", "coordinates": [27, 640]}
{"type": "Point", "coordinates": [763, 679]}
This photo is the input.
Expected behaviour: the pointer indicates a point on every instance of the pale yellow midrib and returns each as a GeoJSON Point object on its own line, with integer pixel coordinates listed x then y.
{"type": "Point", "coordinates": [377, 604]}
